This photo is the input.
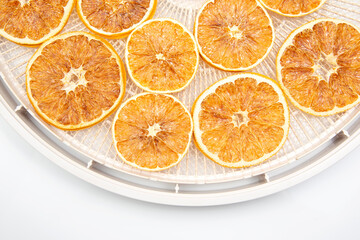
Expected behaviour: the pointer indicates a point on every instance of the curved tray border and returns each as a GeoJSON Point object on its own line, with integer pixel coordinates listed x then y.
{"type": "Point", "coordinates": [341, 144]}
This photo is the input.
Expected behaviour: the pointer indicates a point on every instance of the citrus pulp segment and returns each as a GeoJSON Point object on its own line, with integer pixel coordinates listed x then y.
{"type": "Point", "coordinates": [31, 22]}
{"type": "Point", "coordinates": [115, 18]}
{"type": "Point", "coordinates": [241, 121]}
{"type": "Point", "coordinates": [152, 131]}
{"type": "Point", "coordinates": [75, 80]}
{"type": "Point", "coordinates": [233, 35]}
{"type": "Point", "coordinates": [161, 56]}
{"type": "Point", "coordinates": [293, 8]}
{"type": "Point", "coordinates": [318, 67]}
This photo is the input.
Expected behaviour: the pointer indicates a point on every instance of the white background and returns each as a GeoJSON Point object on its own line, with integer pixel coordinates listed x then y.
{"type": "Point", "coordinates": [40, 200]}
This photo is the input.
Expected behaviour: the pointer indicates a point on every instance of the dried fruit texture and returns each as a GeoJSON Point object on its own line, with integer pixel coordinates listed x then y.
{"type": "Point", "coordinates": [233, 35]}
{"type": "Point", "coordinates": [318, 67]}
{"type": "Point", "coordinates": [152, 131]}
{"type": "Point", "coordinates": [75, 80]}
{"type": "Point", "coordinates": [115, 18]}
{"type": "Point", "coordinates": [241, 120]}
{"type": "Point", "coordinates": [31, 22]}
{"type": "Point", "coordinates": [161, 56]}
{"type": "Point", "coordinates": [293, 8]}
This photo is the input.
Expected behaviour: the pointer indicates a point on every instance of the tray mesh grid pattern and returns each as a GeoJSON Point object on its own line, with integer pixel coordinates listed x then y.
{"type": "Point", "coordinates": [306, 132]}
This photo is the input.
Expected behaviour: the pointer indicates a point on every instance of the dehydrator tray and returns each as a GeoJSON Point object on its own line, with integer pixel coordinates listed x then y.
{"type": "Point", "coordinates": [313, 144]}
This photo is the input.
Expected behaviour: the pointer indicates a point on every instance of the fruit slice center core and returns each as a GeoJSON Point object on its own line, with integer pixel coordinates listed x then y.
{"type": "Point", "coordinates": [74, 78]}
{"type": "Point", "coordinates": [326, 66]}
{"type": "Point", "coordinates": [160, 56]}
{"type": "Point", "coordinates": [23, 2]}
{"type": "Point", "coordinates": [153, 130]}
{"type": "Point", "coordinates": [240, 118]}
{"type": "Point", "coordinates": [235, 32]}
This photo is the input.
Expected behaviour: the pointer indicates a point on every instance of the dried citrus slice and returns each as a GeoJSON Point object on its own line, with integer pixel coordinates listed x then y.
{"type": "Point", "coordinates": [161, 56]}
{"type": "Point", "coordinates": [152, 131]}
{"type": "Point", "coordinates": [241, 121]}
{"type": "Point", "coordinates": [75, 80]}
{"type": "Point", "coordinates": [31, 22]}
{"type": "Point", "coordinates": [293, 8]}
{"type": "Point", "coordinates": [318, 67]}
{"type": "Point", "coordinates": [114, 18]}
{"type": "Point", "coordinates": [233, 35]}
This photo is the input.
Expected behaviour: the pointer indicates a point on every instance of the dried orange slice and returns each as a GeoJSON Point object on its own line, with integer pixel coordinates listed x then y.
{"type": "Point", "coordinates": [161, 56]}
{"type": "Point", "coordinates": [241, 121]}
{"type": "Point", "coordinates": [31, 22]}
{"type": "Point", "coordinates": [293, 8]}
{"type": "Point", "coordinates": [115, 18]}
{"type": "Point", "coordinates": [152, 131]}
{"type": "Point", "coordinates": [233, 35]}
{"type": "Point", "coordinates": [75, 80]}
{"type": "Point", "coordinates": [318, 67]}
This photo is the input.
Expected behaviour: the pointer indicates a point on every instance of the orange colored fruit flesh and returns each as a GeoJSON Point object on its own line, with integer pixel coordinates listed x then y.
{"type": "Point", "coordinates": [75, 80]}
{"type": "Point", "coordinates": [114, 16]}
{"type": "Point", "coordinates": [242, 120]}
{"type": "Point", "coordinates": [321, 67]}
{"type": "Point", "coordinates": [152, 131]}
{"type": "Point", "coordinates": [32, 20]}
{"type": "Point", "coordinates": [234, 34]}
{"type": "Point", "coordinates": [161, 56]}
{"type": "Point", "coordinates": [293, 7]}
